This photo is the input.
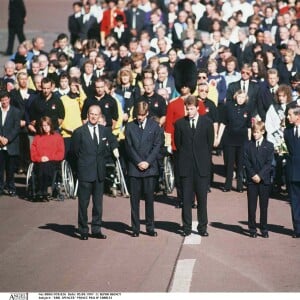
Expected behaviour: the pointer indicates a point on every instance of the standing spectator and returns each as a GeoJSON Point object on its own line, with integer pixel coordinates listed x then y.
{"type": "Point", "coordinates": [258, 158]}
{"type": "Point", "coordinates": [22, 98]}
{"type": "Point", "coordinates": [9, 143]}
{"type": "Point", "coordinates": [106, 102]}
{"type": "Point", "coordinates": [73, 24]}
{"type": "Point", "coordinates": [136, 19]}
{"type": "Point", "coordinates": [292, 139]}
{"type": "Point", "coordinates": [46, 104]}
{"type": "Point", "coordinates": [194, 138]}
{"type": "Point", "coordinates": [89, 144]}
{"type": "Point", "coordinates": [16, 21]}
{"type": "Point", "coordinates": [164, 80]}
{"type": "Point", "coordinates": [144, 139]}
{"type": "Point", "coordinates": [87, 23]}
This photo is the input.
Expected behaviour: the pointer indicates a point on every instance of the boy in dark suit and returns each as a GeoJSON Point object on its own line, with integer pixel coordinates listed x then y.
{"type": "Point", "coordinates": [143, 142]}
{"type": "Point", "coordinates": [258, 157]}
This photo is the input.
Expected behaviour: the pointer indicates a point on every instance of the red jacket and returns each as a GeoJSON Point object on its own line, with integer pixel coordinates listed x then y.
{"type": "Point", "coordinates": [175, 111]}
{"type": "Point", "coordinates": [51, 146]}
{"type": "Point", "coordinates": [109, 20]}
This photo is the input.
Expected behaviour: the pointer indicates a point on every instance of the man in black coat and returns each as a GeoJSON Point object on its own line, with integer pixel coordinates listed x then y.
{"type": "Point", "coordinates": [9, 142]}
{"type": "Point", "coordinates": [143, 142]}
{"type": "Point", "coordinates": [90, 143]}
{"type": "Point", "coordinates": [16, 21]}
{"type": "Point", "coordinates": [194, 138]}
{"type": "Point", "coordinates": [250, 87]}
{"type": "Point", "coordinates": [135, 18]}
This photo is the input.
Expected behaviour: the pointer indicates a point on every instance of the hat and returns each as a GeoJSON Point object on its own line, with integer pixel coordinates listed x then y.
{"type": "Point", "coordinates": [185, 74]}
{"type": "Point", "coordinates": [19, 59]}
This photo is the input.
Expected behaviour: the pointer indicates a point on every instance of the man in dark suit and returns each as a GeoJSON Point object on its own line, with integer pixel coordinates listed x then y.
{"type": "Point", "coordinates": [164, 80]}
{"type": "Point", "coordinates": [73, 24]}
{"type": "Point", "coordinates": [135, 18]}
{"type": "Point", "coordinates": [143, 141]}
{"type": "Point", "coordinates": [87, 24]}
{"type": "Point", "coordinates": [90, 143]}
{"type": "Point", "coordinates": [16, 21]}
{"type": "Point", "coordinates": [258, 157]}
{"type": "Point", "coordinates": [22, 98]}
{"type": "Point", "coordinates": [292, 140]}
{"type": "Point", "coordinates": [268, 90]}
{"type": "Point", "coordinates": [9, 142]}
{"type": "Point", "coordinates": [245, 84]}
{"type": "Point", "coordinates": [194, 138]}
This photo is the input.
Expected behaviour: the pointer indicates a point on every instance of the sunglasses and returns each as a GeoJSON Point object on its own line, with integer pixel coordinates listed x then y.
{"type": "Point", "coordinates": [204, 91]}
{"type": "Point", "coordinates": [245, 72]}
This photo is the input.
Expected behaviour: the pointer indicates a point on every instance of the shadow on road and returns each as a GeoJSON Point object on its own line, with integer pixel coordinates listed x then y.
{"type": "Point", "coordinates": [275, 228]}
{"type": "Point", "coordinates": [68, 230]}
{"type": "Point", "coordinates": [118, 227]}
{"type": "Point", "coordinates": [230, 227]}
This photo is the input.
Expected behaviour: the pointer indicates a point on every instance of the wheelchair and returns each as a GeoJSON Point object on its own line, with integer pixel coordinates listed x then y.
{"type": "Point", "coordinates": [168, 177]}
{"type": "Point", "coordinates": [115, 183]}
{"type": "Point", "coordinates": [62, 186]}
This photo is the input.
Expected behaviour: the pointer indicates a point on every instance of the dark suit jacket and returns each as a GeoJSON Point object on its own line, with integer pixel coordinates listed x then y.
{"type": "Point", "coordinates": [11, 129]}
{"type": "Point", "coordinates": [265, 100]}
{"type": "Point", "coordinates": [23, 105]}
{"type": "Point", "coordinates": [86, 30]}
{"type": "Point", "coordinates": [194, 149]}
{"type": "Point", "coordinates": [293, 158]}
{"type": "Point", "coordinates": [140, 19]}
{"type": "Point", "coordinates": [243, 56]}
{"type": "Point", "coordinates": [170, 85]}
{"type": "Point", "coordinates": [16, 13]}
{"type": "Point", "coordinates": [91, 159]}
{"type": "Point", "coordinates": [124, 38]}
{"type": "Point", "coordinates": [143, 145]}
{"type": "Point", "coordinates": [253, 94]}
{"type": "Point", "coordinates": [259, 161]}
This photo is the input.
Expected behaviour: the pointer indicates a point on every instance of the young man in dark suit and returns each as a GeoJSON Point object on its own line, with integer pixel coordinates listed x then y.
{"type": "Point", "coordinates": [9, 142]}
{"type": "Point", "coordinates": [258, 157]}
{"type": "Point", "coordinates": [89, 144]}
{"type": "Point", "coordinates": [143, 142]}
{"type": "Point", "coordinates": [194, 138]}
{"type": "Point", "coordinates": [292, 140]}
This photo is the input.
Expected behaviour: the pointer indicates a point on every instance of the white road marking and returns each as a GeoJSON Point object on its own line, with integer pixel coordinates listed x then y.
{"type": "Point", "coordinates": [183, 276]}
{"type": "Point", "coordinates": [194, 238]}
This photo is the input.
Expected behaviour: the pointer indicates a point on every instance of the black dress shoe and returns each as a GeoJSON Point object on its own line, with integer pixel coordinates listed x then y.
{"type": "Point", "coordinates": [152, 233]}
{"type": "Point", "coordinates": [265, 235]}
{"type": "Point", "coordinates": [179, 205]}
{"type": "Point", "coordinates": [186, 233]}
{"type": "Point", "coordinates": [99, 235]}
{"type": "Point", "coordinates": [203, 233]}
{"type": "Point", "coordinates": [194, 205]}
{"type": "Point", "coordinates": [84, 236]}
{"type": "Point", "coordinates": [225, 190]}
{"type": "Point", "coordinates": [209, 190]}
{"type": "Point", "coordinates": [253, 235]}
{"type": "Point", "coordinates": [135, 234]}
{"type": "Point", "coordinates": [12, 193]}
{"type": "Point", "coordinates": [240, 190]}
{"type": "Point", "coordinates": [296, 235]}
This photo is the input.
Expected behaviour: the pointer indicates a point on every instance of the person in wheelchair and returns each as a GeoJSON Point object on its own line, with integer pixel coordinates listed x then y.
{"type": "Point", "coordinates": [47, 151]}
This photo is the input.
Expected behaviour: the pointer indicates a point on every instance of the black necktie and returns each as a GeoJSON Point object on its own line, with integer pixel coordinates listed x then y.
{"type": "Point", "coordinates": [141, 126]}
{"type": "Point", "coordinates": [244, 86]}
{"type": "Point", "coordinates": [257, 145]}
{"type": "Point", "coordinates": [95, 137]}
{"type": "Point", "coordinates": [272, 92]}
{"type": "Point", "coordinates": [193, 126]}
{"type": "Point", "coordinates": [296, 132]}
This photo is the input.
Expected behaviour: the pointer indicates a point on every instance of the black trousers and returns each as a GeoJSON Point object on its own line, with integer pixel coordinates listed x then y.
{"type": "Point", "coordinates": [234, 156]}
{"type": "Point", "coordinates": [294, 192]}
{"type": "Point", "coordinates": [24, 158]}
{"type": "Point", "coordinates": [142, 186]}
{"type": "Point", "coordinates": [194, 185]}
{"type": "Point", "coordinates": [7, 165]}
{"type": "Point", "coordinates": [12, 32]}
{"type": "Point", "coordinates": [254, 192]}
{"type": "Point", "coordinates": [178, 183]}
{"type": "Point", "coordinates": [85, 191]}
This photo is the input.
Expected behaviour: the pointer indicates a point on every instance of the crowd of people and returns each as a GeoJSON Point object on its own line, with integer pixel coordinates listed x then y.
{"type": "Point", "coordinates": [213, 75]}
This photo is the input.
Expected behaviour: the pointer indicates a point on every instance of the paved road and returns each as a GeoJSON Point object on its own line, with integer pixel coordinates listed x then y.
{"type": "Point", "coordinates": [40, 251]}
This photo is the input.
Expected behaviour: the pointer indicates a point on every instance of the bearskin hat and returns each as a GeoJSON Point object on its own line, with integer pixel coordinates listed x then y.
{"type": "Point", "coordinates": [185, 74]}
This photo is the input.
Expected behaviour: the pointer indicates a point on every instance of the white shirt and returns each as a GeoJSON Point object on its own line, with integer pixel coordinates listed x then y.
{"type": "Point", "coordinates": [91, 129]}
{"type": "Point", "coordinates": [195, 121]}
